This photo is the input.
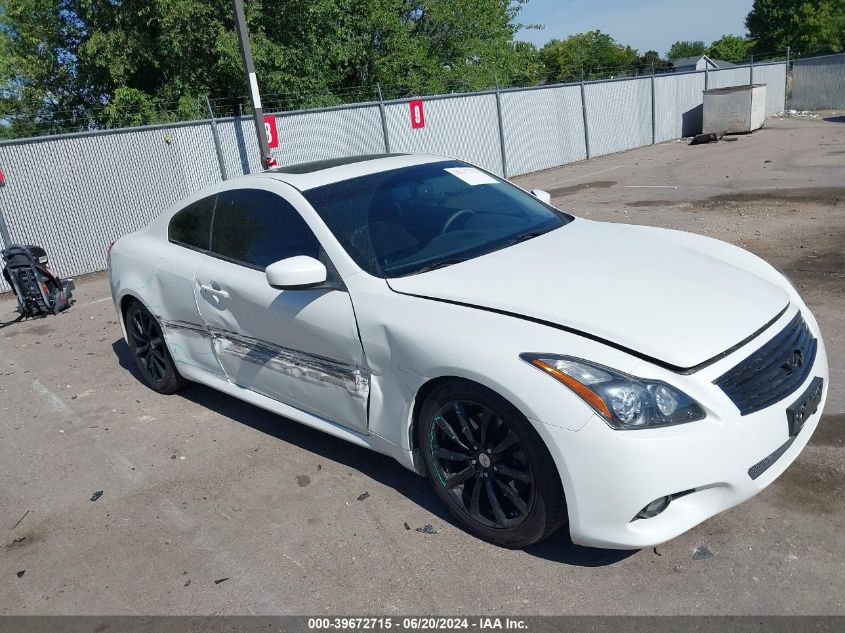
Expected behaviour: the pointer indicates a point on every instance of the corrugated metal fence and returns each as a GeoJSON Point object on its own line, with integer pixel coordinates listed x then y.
{"type": "Point", "coordinates": [75, 193]}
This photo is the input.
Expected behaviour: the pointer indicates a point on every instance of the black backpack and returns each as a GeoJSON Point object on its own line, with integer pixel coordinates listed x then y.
{"type": "Point", "coordinates": [38, 290]}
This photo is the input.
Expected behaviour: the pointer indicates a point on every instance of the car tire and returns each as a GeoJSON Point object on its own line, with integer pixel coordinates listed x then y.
{"type": "Point", "coordinates": [471, 435]}
{"type": "Point", "coordinates": [149, 351]}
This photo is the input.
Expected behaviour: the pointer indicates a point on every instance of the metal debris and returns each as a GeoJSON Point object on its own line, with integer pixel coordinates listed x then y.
{"type": "Point", "coordinates": [96, 495]}
{"type": "Point", "coordinates": [428, 528]}
{"type": "Point", "coordinates": [219, 580]}
{"type": "Point", "coordinates": [363, 495]}
{"type": "Point", "coordinates": [188, 582]}
{"type": "Point", "coordinates": [701, 553]}
{"type": "Point", "coordinates": [21, 573]}
{"type": "Point", "coordinates": [407, 527]}
{"type": "Point", "coordinates": [658, 551]}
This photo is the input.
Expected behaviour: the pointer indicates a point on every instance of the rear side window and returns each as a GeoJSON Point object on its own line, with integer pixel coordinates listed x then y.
{"type": "Point", "coordinates": [192, 225]}
{"type": "Point", "coordinates": [257, 228]}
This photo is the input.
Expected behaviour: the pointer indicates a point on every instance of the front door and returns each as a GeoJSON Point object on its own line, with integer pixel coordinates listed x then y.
{"type": "Point", "coordinates": [300, 347]}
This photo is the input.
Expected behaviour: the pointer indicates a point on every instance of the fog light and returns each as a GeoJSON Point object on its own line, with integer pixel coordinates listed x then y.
{"type": "Point", "coordinates": [654, 508]}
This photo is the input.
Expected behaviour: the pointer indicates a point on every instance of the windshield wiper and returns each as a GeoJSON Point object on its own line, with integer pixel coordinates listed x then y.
{"type": "Point", "coordinates": [439, 264]}
{"type": "Point", "coordinates": [524, 237]}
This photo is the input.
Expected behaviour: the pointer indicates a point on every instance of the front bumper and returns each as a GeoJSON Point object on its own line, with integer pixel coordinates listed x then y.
{"type": "Point", "coordinates": [609, 476]}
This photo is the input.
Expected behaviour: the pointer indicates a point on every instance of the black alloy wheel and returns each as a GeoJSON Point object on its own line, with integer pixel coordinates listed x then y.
{"type": "Point", "coordinates": [480, 462]}
{"type": "Point", "coordinates": [488, 464]}
{"type": "Point", "coordinates": [150, 350]}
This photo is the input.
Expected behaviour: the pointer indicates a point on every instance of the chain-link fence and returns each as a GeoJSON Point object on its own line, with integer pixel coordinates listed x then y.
{"type": "Point", "coordinates": [774, 76]}
{"type": "Point", "coordinates": [75, 193]}
{"type": "Point", "coordinates": [818, 83]}
{"type": "Point", "coordinates": [678, 105]}
{"type": "Point", "coordinates": [552, 135]}
{"type": "Point", "coordinates": [462, 126]}
{"type": "Point", "coordinates": [727, 77]}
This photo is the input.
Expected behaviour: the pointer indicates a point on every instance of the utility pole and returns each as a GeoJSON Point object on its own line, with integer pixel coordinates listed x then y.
{"type": "Point", "coordinates": [252, 81]}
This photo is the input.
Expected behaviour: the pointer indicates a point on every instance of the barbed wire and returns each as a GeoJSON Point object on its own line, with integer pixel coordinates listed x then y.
{"type": "Point", "coordinates": [174, 110]}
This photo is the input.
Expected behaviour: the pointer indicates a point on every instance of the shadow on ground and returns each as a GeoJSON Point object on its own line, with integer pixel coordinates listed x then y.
{"type": "Point", "coordinates": [12, 322]}
{"type": "Point", "coordinates": [559, 547]}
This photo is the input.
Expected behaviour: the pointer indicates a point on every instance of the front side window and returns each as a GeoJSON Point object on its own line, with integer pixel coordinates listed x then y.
{"type": "Point", "coordinates": [192, 225]}
{"type": "Point", "coordinates": [256, 227]}
{"type": "Point", "coordinates": [413, 219]}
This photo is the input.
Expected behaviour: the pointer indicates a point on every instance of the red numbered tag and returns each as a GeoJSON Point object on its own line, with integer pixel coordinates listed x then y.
{"type": "Point", "coordinates": [417, 114]}
{"type": "Point", "coordinates": [272, 132]}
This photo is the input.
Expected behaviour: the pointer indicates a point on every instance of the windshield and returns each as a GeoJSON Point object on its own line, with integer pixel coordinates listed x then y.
{"type": "Point", "coordinates": [418, 218]}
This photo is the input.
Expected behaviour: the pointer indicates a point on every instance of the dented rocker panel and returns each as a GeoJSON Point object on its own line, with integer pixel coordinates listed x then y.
{"type": "Point", "coordinates": [299, 365]}
{"type": "Point", "coordinates": [310, 368]}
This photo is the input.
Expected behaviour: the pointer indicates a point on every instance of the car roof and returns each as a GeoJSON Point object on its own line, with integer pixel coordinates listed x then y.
{"type": "Point", "coordinates": [304, 176]}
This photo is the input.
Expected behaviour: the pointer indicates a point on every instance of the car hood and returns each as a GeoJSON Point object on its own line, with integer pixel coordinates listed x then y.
{"type": "Point", "coordinates": [627, 286]}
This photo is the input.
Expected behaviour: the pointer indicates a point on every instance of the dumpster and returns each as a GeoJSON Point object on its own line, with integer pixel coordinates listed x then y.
{"type": "Point", "coordinates": [734, 110]}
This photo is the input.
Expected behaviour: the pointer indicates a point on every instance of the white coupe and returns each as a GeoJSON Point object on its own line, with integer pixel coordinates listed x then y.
{"type": "Point", "coordinates": [541, 369]}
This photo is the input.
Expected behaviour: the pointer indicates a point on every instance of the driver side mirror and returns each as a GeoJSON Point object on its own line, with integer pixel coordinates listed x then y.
{"type": "Point", "coordinates": [542, 196]}
{"type": "Point", "coordinates": [296, 273]}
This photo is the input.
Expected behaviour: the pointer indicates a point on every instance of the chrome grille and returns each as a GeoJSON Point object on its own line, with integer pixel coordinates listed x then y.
{"type": "Point", "coordinates": [772, 372]}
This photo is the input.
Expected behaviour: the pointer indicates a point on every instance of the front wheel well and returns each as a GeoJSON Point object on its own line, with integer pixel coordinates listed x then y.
{"type": "Point", "coordinates": [422, 395]}
{"type": "Point", "coordinates": [425, 390]}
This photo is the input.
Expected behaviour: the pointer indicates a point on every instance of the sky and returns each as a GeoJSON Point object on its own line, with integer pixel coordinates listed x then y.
{"type": "Point", "coordinates": [645, 25]}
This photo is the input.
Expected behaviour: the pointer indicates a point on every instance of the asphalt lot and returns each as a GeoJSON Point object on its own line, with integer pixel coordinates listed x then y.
{"type": "Point", "coordinates": [199, 487]}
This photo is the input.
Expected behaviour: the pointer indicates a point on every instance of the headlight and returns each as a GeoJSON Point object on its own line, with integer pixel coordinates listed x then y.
{"type": "Point", "coordinates": [625, 402]}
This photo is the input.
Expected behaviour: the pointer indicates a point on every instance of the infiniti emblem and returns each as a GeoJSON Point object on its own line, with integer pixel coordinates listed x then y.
{"type": "Point", "coordinates": [794, 361]}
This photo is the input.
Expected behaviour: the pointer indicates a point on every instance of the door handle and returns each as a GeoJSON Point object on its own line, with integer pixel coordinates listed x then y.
{"type": "Point", "coordinates": [214, 291]}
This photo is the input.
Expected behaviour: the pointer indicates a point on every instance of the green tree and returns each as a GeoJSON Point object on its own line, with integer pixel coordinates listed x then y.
{"type": "Point", "coordinates": [731, 48]}
{"type": "Point", "coordinates": [651, 60]}
{"type": "Point", "coordinates": [683, 49]}
{"type": "Point", "coordinates": [528, 68]}
{"type": "Point", "coordinates": [76, 64]}
{"type": "Point", "coordinates": [807, 27]}
{"type": "Point", "coordinates": [33, 78]}
{"type": "Point", "coordinates": [591, 55]}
